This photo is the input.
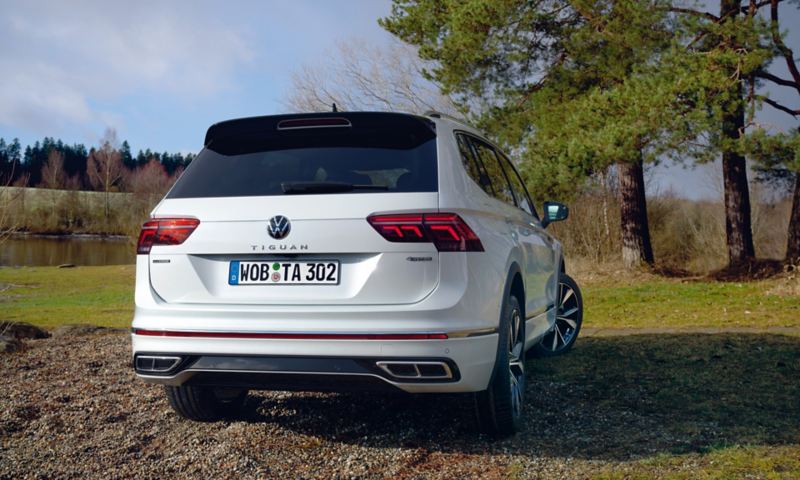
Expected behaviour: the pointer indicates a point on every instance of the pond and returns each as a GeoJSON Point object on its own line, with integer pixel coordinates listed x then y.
{"type": "Point", "coordinates": [37, 251]}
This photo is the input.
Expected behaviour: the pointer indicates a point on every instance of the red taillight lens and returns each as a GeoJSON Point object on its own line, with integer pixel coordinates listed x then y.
{"type": "Point", "coordinates": [447, 231]}
{"type": "Point", "coordinates": [165, 231]}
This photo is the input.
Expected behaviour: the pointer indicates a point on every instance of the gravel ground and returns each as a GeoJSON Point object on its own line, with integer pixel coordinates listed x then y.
{"type": "Point", "coordinates": [71, 407]}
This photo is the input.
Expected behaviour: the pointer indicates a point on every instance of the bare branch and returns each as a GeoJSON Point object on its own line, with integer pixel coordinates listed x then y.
{"type": "Point", "coordinates": [750, 9]}
{"type": "Point", "coordinates": [9, 195]}
{"type": "Point", "coordinates": [360, 76]}
{"type": "Point", "coordinates": [695, 13]}
{"type": "Point", "coordinates": [779, 81]}
{"type": "Point", "coordinates": [778, 106]}
{"type": "Point", "coordinates": [776, 38]}
{"type": "Point", "coordinates": [104, 166]}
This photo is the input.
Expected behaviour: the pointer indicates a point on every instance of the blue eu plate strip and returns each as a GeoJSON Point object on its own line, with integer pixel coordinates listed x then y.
{"type": "Point", "coordinates": [233, 276]}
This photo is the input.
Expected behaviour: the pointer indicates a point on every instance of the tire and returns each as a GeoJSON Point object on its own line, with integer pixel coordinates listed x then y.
{"type": "Point", "coordinates": [499, 408]}
{"type": "Point", "coordinates": [569, 318]}
{"type": "Point", "coordinates": [205, 404]}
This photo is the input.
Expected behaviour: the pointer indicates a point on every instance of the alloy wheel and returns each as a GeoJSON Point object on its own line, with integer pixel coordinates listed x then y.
{"type": "Point", "coordinates": [516, 362]}
{"type": "Point", "coordinates": [567, 317]}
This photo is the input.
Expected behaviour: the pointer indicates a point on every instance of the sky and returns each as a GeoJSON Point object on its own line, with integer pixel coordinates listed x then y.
{"type": "Point", "coordinates": [161, 72]}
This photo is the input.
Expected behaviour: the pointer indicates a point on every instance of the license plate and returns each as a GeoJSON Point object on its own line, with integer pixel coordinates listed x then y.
{"type": "Point", "coordinates": [284, 272]}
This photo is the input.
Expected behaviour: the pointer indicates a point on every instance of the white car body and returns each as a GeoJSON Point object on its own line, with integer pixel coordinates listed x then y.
{"type": "Point", "coordinates": [395, 301]}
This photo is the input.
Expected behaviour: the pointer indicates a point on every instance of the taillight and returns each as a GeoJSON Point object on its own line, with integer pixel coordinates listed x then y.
{"type": "Point", "coordinates": [447, 231]}
{"type": "Point", "coordinates": [165, 231]}
{"type": "Point", "coordinates": [313, 123]}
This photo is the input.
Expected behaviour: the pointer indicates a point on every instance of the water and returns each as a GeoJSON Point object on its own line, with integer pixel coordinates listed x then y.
{"type": "Point", "coordinates": [36, 251]}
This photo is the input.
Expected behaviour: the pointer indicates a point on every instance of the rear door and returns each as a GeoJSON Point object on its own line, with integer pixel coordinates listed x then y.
{"type": "Point", "coordinates": [535, 245]}
{"type": "Point", "coordinates": [542, 264]}
{"type": "Point", "coordinates": [318, 183]}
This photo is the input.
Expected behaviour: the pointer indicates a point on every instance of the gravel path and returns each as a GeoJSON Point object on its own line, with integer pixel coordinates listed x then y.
{"type": "Point", "coordinates": [71, 407]}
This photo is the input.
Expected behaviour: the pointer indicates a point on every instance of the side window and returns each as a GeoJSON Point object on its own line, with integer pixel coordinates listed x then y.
{"type": "Point", "coordinates": [520, 192]}
{"type": "Point", "coordinates": [471, 164]}
{"type": "Point", "coordinates": [492, 166]}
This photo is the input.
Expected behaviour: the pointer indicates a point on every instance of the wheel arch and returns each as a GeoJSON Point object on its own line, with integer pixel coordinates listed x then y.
{"type": "Point", "coordinates": [515, 284]}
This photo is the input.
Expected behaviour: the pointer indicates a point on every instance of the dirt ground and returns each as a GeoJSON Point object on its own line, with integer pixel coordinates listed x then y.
{"type": "Point", "coordinates": [71, 407]}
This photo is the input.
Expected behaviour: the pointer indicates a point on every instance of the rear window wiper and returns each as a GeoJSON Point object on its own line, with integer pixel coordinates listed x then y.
{"type": "Point", "coordinates": [326, 187]}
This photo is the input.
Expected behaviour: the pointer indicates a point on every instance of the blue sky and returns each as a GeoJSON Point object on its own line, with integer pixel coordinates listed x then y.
{"type": "Point", "coordinates": [161, 72]}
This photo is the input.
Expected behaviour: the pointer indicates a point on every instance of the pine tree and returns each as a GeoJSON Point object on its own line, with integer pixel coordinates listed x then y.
{"type": "Point", "coordinates": [568, 85]}
{"type": "Point", "coordinates": [577, 86]}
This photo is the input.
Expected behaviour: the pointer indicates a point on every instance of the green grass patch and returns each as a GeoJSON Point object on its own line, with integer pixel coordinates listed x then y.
{"type": "Point", "coordinates": [654, 302]}
{"type": "Point", "coordinates": [50, 296]}
{"type": "Point", "coordinates": [678, 406]}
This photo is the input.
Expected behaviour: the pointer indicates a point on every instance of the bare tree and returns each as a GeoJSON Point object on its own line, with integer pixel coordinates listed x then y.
{"type": "Point", "coordinates": [53, 177]}
{"type": "Point", "coordinates": [12, 197]}
{"type": "Point", "coordinates": [104, 166]}
{"type": "Point", "coordinates": [53, 171]}
{"type": "Point", "coordinates": [148, 180]}
{"type": "Point", "coordinates": [7, 195]}
{"type": "Point", "coordinates": [361, 76]}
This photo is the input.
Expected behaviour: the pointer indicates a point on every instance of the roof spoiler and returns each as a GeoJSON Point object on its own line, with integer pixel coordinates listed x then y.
{"type": "Point", "coordinates": [352, 120]}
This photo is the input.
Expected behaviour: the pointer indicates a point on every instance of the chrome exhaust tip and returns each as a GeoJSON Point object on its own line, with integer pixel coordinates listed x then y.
{"type": "Point", "coordinates": [416, 370]}
{"type": "Point", "coordinates": [156, 363]}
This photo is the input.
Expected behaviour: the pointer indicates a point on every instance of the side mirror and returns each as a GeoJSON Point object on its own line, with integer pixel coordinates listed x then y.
{"type": "Point", "coordinates": [554, 212]}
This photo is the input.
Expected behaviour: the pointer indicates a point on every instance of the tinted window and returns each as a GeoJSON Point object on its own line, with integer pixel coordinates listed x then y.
{"type": "Point", "coordinates": [502, 190]}
{"type": "Point", "coordinates": [258, 164]}
{"type": "Point", "coordinates": [520, 193]}
{"type": "Point", "coordinates": [471, 164]}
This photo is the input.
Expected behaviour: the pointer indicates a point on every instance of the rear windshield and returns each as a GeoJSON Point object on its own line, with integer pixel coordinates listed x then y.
{"type": "Point", "coordinates": [372, 161]}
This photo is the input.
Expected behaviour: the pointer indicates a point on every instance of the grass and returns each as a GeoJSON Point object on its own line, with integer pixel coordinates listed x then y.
{"type": "Point", "coordinates": [657, 302]}
{"type": "Point", "coordinates": [50, 296]}
{"type": "Point", "coordinates": [676, 406]}
{"type": "Point", "coordinates": [778, 462]}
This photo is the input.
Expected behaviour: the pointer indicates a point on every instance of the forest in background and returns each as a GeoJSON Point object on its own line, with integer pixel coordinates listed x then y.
{"type": "Point", "coordinates": [52, 187]}
{"type": "Point", "coordinates": [26, 167]}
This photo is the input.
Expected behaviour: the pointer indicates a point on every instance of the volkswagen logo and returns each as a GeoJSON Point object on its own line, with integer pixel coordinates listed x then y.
{"type": "Point", "coordinates": [279, 227]}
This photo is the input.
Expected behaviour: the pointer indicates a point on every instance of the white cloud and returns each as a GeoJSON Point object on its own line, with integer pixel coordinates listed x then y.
{"type": "Point", "coordinates": [60, 60]}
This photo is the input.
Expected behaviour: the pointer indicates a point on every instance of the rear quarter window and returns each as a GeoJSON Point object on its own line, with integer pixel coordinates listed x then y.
{"type": "Point", "coordinates": [500, 185]}
{"type": "Point", "coordinates": [472, 165]}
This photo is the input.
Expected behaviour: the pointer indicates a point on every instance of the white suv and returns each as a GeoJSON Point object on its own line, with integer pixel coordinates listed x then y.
{"type": "Point", "coordinates": [342, 251]}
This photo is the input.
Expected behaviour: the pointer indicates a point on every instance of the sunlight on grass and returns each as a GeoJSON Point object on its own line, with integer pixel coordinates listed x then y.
{"type": "Point", "coordinates": [678, 406]}
{"type": "Point", "coordinates": [655, 302]}
{"type": "Point", "coordinates": [50, 296]}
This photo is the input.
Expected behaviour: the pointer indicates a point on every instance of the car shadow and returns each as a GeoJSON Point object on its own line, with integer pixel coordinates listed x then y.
{"type": "Point", "coordinates": [610, 398]}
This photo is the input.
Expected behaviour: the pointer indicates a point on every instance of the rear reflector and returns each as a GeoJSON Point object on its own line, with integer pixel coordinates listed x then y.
{"type": "Point", "coordinates": [447, 231]}
{"type": "Point", "coordinates": [313, 123]}
{"type": "Point", "coordinates": [294, 336]}
{"type": "Point", "coordinates": [165, 231]}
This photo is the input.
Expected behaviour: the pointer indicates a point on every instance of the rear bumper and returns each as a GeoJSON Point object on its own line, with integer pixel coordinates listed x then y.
{"type": "Point", "coordinates": [327, 364]}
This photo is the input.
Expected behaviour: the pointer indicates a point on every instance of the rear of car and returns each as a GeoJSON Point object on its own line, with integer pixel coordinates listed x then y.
{"type": "Point", "coordinates": [310, 252]}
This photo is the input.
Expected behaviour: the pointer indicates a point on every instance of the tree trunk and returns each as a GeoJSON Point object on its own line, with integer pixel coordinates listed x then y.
{"type": "Point", "coordinates": [738, 227]}
{"type": "Point", "coordinates": [793, 243]}
{"type": "Point", "coordinates": [636, 248]}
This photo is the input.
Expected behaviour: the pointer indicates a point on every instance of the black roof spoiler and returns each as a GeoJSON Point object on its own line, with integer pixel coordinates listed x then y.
{"type": "Point", "coordinates": [354, 120]}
